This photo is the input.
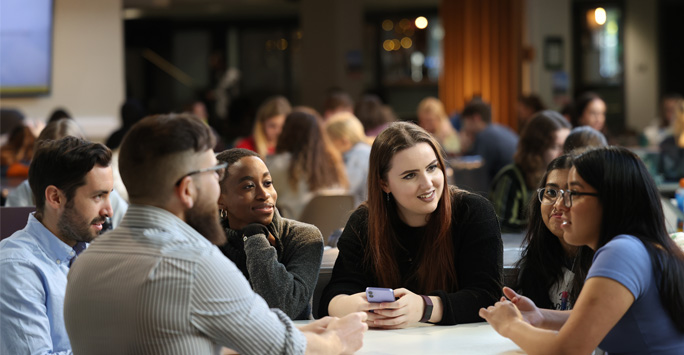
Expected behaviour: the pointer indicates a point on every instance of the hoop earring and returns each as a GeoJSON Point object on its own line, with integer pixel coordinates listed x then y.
{"type": "Point", "coordinates": [223, 214]}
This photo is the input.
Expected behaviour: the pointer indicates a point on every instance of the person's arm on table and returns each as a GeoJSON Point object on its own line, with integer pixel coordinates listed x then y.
{"type": "Point", "coordinates": [593, 316]}
{"type": "Point", "coordinates": [225, 308]}
{"type": "Point", "coordinates": [409, 308]}
{"type": "Point", "coordinates": [331, 335]}
{"type": "Point", "coordinates": [345, 292]}
{"type": "Point", "coordinates": [550, 319]}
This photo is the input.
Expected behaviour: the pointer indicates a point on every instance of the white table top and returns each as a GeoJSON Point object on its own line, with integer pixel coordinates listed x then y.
{"type": "Point", "coordinates": [476, 338]}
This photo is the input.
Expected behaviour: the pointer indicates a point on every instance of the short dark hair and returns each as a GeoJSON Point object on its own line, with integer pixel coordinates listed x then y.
{"type": "Point", "coordinates": [478, 107]}
{"type": "Point", "coordinates": [149, 151]}
{"type": "Point", "coordinates": [338, 98]}
{"type": "Point", "coordinates": [231, 156]}
{"type": "Point", "coordinates": [533, 101]}
{"type": "Point", "coordinates": [64, 163]}
{"type": "Point", "coordinates": [580, 105]}
{"type": "Point", "coordinates": [582, 138]}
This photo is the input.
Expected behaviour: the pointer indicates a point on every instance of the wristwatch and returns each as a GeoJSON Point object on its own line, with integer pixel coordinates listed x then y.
{"type": "Point", "coordinates": [427, 313]}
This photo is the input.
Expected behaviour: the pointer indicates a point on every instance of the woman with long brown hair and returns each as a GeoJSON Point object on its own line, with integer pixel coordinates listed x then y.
{"type": "Point", "coordinates": [305, 163]}
{"type": "Point", "coordinates": [438, 246]}
{"type": "Point", "coordinates": [513, 186]}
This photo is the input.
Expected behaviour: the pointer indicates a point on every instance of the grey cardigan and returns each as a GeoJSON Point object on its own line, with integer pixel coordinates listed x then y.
{"type": "Point", "coordinates": [284, 275]}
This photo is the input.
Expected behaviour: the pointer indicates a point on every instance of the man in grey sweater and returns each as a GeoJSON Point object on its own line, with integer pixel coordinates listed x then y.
{"type": "Point", "coordinates": [280, 257]}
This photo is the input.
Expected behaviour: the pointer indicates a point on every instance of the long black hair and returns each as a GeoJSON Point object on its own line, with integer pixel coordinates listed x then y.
{"type": "Point", "coordinates": [631, 205]}
{"type": "Point", "coordinates": [542, 261]}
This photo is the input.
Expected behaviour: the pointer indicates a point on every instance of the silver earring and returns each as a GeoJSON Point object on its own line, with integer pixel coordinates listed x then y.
{"type": "Point", "coordinates": [388, 197]}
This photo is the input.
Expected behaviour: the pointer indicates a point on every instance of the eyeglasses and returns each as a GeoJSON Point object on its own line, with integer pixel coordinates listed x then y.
{"type": "Point", "coordinates": [220, 170]}
{"type": "Point", "coordinates": [549, 196]}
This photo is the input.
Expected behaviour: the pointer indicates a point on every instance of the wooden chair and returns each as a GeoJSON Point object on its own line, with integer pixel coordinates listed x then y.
{"type": "Point", "coordinates": [13, 219]}
{"type": "Point", "coordinates": [328, 212]}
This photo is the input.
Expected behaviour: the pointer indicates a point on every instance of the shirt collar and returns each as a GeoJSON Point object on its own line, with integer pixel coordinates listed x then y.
{"type": "Point", "coordinates": [52, 246]}
{"type": "Point", "coordinates": [150, 217]}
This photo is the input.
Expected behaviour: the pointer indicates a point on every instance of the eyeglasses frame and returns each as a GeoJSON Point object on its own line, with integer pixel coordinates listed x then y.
{"type": "Point", "coordinates": [567, 202]}
{"type": "Point", "coordinates": [216, 168]}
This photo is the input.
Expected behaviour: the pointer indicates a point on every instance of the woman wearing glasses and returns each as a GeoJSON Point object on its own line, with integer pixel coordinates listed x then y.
{"type": "Point", "coordinates": [552, 271]}
{"type": "Point", "coordinates": [633, 298]}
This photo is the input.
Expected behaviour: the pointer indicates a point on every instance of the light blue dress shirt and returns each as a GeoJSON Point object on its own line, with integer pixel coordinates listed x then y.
{"type": "Point", "coordinates": [33, 277]}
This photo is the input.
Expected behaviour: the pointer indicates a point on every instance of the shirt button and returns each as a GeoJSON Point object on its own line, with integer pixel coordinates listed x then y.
{"type": "Point", "coordinates": [71, 253]}
{"type": "Point", "coordinates": [59, 261]}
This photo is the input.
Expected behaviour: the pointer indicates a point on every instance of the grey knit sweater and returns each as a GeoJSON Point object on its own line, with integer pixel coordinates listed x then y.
{"type": "Point", "coordinates": [284, 275]}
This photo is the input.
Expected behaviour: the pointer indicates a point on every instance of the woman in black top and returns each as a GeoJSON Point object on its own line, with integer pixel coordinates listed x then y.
{"type": "Point", "coordinates": [419, 236]}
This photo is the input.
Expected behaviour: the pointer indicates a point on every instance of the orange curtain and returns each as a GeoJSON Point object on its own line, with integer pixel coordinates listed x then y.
{"type": "Point", "coordinates": [482, 55]}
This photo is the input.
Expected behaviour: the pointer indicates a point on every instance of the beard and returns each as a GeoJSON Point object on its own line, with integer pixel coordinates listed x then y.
{"type": "Point", "coordinates": [74, 227]}
{"type": "Point", "coordinates": [205, 221]}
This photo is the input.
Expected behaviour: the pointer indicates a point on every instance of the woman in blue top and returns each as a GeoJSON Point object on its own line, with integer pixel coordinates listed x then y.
{"type": "Point", "coordinates": [633, 298]}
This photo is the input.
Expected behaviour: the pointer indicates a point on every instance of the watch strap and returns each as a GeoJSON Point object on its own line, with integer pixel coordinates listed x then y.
{"type": "Point", "coordinates": [427, 313]}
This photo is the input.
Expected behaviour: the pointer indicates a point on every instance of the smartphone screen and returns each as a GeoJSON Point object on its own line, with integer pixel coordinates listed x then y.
{"type": "Point", "coordinates": [379, 294]}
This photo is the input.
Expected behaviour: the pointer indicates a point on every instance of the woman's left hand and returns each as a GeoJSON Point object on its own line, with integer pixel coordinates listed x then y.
{"type": "Point", "coordinates": [407, 309]}
{"type": "Point", "coordinates": [501, 315]}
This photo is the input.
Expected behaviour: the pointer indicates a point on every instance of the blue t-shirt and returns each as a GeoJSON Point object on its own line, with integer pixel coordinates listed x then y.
{"type": "Point", "coordinates": [646, 328]}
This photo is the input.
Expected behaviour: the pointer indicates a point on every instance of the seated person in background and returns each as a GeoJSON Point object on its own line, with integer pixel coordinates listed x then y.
{"type": "Point", "coordinates": [662, 127]}
{"type": "Point", "coordinates": [513, 187]}
{"type": "Point", "coordinates": [528, 106]}
{"type": "Point", "coordinates": [374, 115]}
{"type": "Point", "coordinates": [582, 138]}
{"type": "Point", "coordinates": [346, 134]}
{"type": "Point", "coordinates": [589, 110]}
{"type": "Point", "coordinates": [439, 247]}
{"type": "Point", "coordinates": [9, 119]}
{"type": "Point", "coordinates": [16, 154]}
{"type": "Point", "coordinates": [671, 163]}
{"type": "Point", "coordinates": [633, 297]}
{"type": "Point", "coordinates": [305, 163]}
{"type": "Point", "coordinates": [432, 117]}
{"type": "Point", "coordinates": [552, 272]}
{"type": "Point", "coordinates": [493, 142]}
{"type": "Point", "coordinates": [158, 284]}
{"type": "Point", "coordinates": [71, 207]}
{"type": "Point", "coordinates": [268, 126]}
{"type": "Point", "coordinates": [22, 195]}
{"type": "Point", "coordinates": [279, 257]}
{"type": "Point", "coordinates": [131, 112]}
{"type": "Point", "coordinates": [337, 101]}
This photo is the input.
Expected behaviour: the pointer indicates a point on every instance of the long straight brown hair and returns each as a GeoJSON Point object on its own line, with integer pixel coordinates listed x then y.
{"type": "Point", "coordinates": [314, 158]}
{"type": "Point", "coordinates": [436, 253]}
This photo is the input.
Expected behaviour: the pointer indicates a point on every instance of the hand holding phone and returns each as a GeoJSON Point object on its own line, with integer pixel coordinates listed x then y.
{"type": "Point", "coordinates": [379, 294]}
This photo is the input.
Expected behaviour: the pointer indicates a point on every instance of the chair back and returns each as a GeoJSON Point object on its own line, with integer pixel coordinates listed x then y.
{"type": "Point", "coordinates": [13, 219]}
{"type": "Point", "coordinates": [328, 212]}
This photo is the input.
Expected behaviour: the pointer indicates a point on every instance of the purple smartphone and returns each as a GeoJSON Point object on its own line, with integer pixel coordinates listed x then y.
{"type": "Point", "coordinates": [379, 294]}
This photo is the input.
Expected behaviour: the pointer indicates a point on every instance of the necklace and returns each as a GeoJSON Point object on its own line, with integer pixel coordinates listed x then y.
{"type": "Point", "coordinates": [565, 294]}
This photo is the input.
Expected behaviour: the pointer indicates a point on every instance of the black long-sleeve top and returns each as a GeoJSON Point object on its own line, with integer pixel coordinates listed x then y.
{"type": "Point", "coordinates": [478, 259]}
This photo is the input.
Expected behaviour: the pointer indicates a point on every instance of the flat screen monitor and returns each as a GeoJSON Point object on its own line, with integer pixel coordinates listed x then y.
{"type": "Point", "coordinates": [25, 47]}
